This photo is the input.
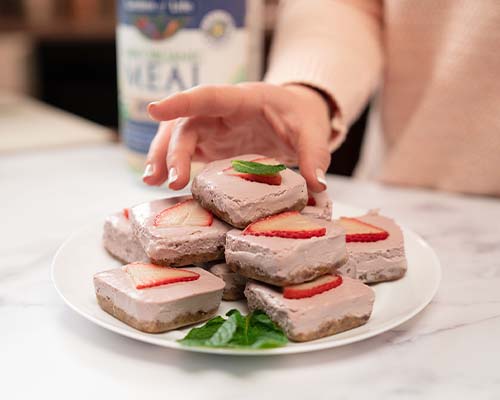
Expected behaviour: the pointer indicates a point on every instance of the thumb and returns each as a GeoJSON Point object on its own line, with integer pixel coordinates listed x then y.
{"type": "Point", "coordinates": [314, 156]}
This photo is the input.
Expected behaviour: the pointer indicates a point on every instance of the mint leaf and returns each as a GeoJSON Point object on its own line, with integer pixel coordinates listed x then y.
{"type": "Point", "coordinates": [255, 168]}
{"type": "Point", "coordinates": [225, 333]}
{"type": "Point", "coordinates": [263, 333]}
{"type": "Point", "coordinates": [198, 336]}
{"type": "Point", "coordinates": [254, 331]}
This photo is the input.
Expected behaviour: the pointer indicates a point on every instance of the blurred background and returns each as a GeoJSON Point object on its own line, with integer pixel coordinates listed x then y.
{"type": "Point", "coordinates": [63, 53]}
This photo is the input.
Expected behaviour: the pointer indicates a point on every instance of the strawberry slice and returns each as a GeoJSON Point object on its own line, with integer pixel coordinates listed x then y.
{"type": "Point", "coordinates": [359, 231]}
{"type": "Point", "coordinates": [290, 224]}
{"type": "Point", "coordinates": [185, 213]}
{"type": "Point", "coordinates": [126, 213]}
{"type": "Point", "coordinates": [311, 201]}
{"type": "Point", "coordinates": [150, 275]}
{"type": "Point", "coordinates": [312, 288]}
{"type": "Point", "coordinates": [273, 179]}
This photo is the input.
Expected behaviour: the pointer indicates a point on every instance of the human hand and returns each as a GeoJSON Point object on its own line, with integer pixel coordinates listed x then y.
{"type": "Point", "coordinates": [290, 123]}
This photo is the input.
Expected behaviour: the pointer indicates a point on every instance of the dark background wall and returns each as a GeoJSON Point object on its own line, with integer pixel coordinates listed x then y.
{"type": "Point", "coordinates": [79, 77]}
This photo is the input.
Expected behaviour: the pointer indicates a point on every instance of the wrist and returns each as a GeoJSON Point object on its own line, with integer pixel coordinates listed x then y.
{"type": "Point", "coordinates": [322, 98]}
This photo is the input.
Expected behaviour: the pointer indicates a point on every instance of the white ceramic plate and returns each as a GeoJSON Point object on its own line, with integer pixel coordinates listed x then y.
{"type": "Point", "coordinates": [82, 255]}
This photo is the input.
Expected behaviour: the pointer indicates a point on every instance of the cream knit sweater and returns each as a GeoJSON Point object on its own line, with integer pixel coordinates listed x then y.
{"type": "Point", "coordinates": [435, 68]}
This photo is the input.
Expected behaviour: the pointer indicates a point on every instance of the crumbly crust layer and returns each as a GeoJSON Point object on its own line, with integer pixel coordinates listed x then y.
{"type": "Point", "coordinates": [329, 328]}
{"type": "Point", "coordinates": [299, 276]}
{"type": "Point", "coordinates": [155, 326]}
{"type": "Point", "coordinates": [191, 259]}
{"type": "Point", "coordinates": [235, 293]}
{"type": "Point", "coordinates": [382, 276]}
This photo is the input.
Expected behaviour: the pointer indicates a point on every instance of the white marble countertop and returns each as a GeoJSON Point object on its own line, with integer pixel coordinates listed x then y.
{"type": "Point", "coordinates": [22, 117]}
{"type": "Point", "coordinates": [450, 350]}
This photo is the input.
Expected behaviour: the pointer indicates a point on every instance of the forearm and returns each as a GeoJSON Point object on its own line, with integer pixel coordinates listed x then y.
{"type": "Point", "coordinates": [332, 45]}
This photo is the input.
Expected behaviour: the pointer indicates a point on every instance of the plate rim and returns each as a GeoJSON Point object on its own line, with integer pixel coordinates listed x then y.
{"type": "Point", "coordinates": [308, 347]}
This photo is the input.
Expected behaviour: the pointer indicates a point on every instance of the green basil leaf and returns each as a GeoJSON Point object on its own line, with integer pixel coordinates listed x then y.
{"type": "Point", "coordinates": [254, 331]}
{"type": "Point", "coordinates": [225, 333]}
{"type": "Point", "coordinates": [264, 333]}
{"type": "Point", "coordinates": [199, 336]}
{"type": "Point", "coordinates": [256, 168]}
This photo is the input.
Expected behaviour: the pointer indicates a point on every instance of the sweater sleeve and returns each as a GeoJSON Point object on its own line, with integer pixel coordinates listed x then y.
{"type": "Point", "coordinates": [333, 45]}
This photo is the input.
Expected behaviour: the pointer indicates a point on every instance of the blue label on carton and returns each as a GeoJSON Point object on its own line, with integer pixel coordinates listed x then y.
{"type": "Point", "coordinates": [166, 46]}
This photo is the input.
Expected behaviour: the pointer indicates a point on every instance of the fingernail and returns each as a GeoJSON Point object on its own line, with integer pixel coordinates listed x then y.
{"type": "Point", "coordinates": [148, 171]}
{"type": "Point", "coordinates": [320, 177]}
{"type": "Point", "coordinates": [172, 176]}
{"type": "Point", "coordinates": [152, 106]}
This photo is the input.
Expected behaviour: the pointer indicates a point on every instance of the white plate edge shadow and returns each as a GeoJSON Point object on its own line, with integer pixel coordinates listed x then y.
{"type": "Point", "coordinates": [296, 347]}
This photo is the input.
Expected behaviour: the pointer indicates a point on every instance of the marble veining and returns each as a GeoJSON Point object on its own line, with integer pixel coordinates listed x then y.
{"type": "Point", "coordinates": [448, 351]}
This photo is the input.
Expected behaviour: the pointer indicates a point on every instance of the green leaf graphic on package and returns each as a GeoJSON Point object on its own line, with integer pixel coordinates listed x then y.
{"type": "Point", "coordinates": [253, 331]}
{"type": "Point", "coordinates": [158, 26]}
{"type": "Point", "coordinates": [256, 168]}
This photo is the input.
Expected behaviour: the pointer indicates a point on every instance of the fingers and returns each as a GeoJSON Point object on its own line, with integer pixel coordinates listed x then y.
{"type": "Point", "coordinates": [210, 101]}
{"type": "Point", "coordinates": [177, 141]}
{"type": "Point", "coordinates": [155, 172]}
{"type": "Point", "coordinates": [309, 124]}
{"type": "Point", "coordinates": [304, 131]}
{"type": "Point", "coordinates": [181, 148]}
{"type": "Point", "coordinates": [314, 156]}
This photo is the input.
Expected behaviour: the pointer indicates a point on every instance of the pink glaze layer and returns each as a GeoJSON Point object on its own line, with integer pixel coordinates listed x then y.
{"type": "Point", "coordinates": [163, 243]}
{"type": "Point", "coordinates": [245, 201]}
{"type": "Point", "coordinates": [323, 207]}
{"type": "Point", "coordinates": [283, 258]}
{"type": "Point", "coordinates": [302, 316]}
{"type": "Point", "coordinates": [162, 303]}
{"type": "Point", "coordinates": [382, 260]}
{"type": "Point", "coordinates": [119, 239]}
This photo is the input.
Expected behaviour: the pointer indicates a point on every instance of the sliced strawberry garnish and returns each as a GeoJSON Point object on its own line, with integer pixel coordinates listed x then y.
{"type": "Point", "coordinates": [290, 224]}
{"type": "Point", "coordinates": [150, 275]}
{"type": "Point", "coordinates": [359, 231]}
{"type": "Point", "coordinates": [311, 201]}
{"type": "Point", "coordinates": [185, 213]}
{"type": "Point", "coordinates": [126, 213]}
{"type": "Point", "coordinates": [273, 179]}
{"type": "Point", "coordinates": [312, 288]}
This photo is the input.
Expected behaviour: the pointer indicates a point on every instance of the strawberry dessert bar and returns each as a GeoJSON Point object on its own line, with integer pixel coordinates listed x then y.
{"type": "Point", "coordinates": [235, 283]}
{"type": "Point", "coordinates": [375, 246]}
{"type": "Point", "coordinates": [286, 248]}
{"type": "Point", "coordinates": [119, 240]}
{"type": "Point", "coordinates": [178, 231]}
{"type": "Point", "coordinates": [243, 189]}
{"type": "Point", "coordinates": [325, 306]}
{"type": "Point", "coordinates": [319, 205]}
{"type": "Point", "coordinates": [157, 299]}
